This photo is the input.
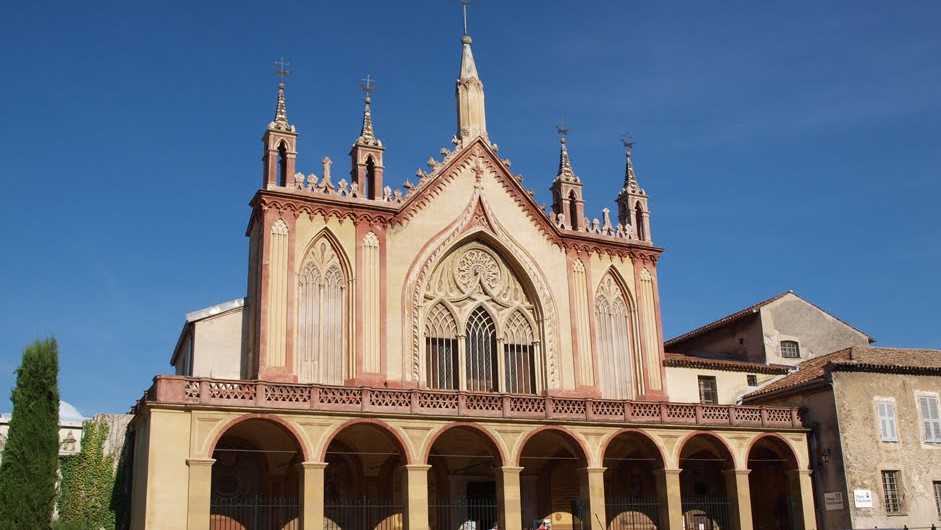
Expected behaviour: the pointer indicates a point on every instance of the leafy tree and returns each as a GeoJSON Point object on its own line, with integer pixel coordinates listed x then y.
{"type": "Point", "coordinates": [87, 482]}
{"type": "Point", "coordinates": [30, 459]}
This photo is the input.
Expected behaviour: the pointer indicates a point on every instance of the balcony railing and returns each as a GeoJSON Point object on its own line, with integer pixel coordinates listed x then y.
{"type": "Point", "coordinates": [239, 393]}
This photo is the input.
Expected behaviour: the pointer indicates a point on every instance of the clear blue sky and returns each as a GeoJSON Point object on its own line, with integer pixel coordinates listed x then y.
{"type": "Point", "coordinates": [784, 146]}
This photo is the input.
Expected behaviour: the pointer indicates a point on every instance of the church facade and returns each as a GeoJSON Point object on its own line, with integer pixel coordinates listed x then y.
{"type": "Point", "coordinates": [447, 356]}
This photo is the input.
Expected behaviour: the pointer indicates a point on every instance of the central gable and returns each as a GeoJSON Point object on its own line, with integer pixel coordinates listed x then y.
{"type": "Point", "coordinates": [477, 161]}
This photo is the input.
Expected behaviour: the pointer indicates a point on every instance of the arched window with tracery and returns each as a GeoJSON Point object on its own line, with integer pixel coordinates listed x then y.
{"type": "Point", "coordinates": [481, 351]}
{"type": "Point", "coordinates": [477, 303]}
{"type": "Point", "coordinates": [322, 319]}
{"type": "Point", "coordinates": [614, 338]}
{"type": "Point", "coordinates": [518, 350]}
{"type": "Point", "coordinates": [639, 222]}
{"type": "Point", "coordinates": [441, 348]}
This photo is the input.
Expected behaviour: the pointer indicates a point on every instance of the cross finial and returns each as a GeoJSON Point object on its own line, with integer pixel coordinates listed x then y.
{"type": "Point", "coordinates": [563, 131]}
{"type": "Point", "coordinates": [281, 69]}
{"type": "Point", "coordinates": [464, 4]}
{"type": "Point", "coordinates": [367, 85]}
{"type": "Point", "coordinates": [628, 142]}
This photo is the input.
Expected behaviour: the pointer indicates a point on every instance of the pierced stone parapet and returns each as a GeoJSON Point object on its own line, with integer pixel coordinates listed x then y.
{"type": "Point", "coordinates": [189, 391]}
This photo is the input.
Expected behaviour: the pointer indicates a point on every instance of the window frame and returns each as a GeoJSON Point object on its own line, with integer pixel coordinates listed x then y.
{"type": "Point", "coordinates": [751, 380]}
{"type": "Point", "coordinates": [929, 435]}
{"type": "Point", "coordinates": [788, 342]}
{"type": "Point", "coordinates": [888, 502]}
{"type": "Point", "coordinates": [936, 486]}
{"type": "Point", "coordinates": [714, 389]}
{"type": "Point", "coordinates": [889, 403]}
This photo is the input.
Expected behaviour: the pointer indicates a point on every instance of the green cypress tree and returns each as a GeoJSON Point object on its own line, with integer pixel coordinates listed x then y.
{"type": "Point", "coordinates": [30, 458]}
{"type": "Point", "coordinates": [87, 482]}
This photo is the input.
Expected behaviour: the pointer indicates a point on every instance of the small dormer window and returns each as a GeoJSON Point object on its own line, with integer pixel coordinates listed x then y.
{"type": "Point", "coordinates": [752, 379]}
{"type": "Point", "coordinates": [790, 349]}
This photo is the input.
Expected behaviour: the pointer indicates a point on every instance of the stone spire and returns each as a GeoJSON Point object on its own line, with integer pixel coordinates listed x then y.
{"type": "Point", "coordinates": [565, 173]}
{"type": "Point", "coordinates": [367, 135]}
{"type": "Point", "coordinates": [280, 122]}
{"type": "Point", "coordinates": [471, 114]}
{"type": "Point", "coordinates": [630, 178]}
{"type": "Point", "coordinates": [568, 205]}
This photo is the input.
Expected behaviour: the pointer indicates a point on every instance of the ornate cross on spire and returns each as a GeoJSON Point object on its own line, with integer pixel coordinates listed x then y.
{"type": "Point", "coordinates": [281, 70]}
{"type": "Point", "coordinates": [628, 142]}
{"type": "Point", "coordinates": [464, 4]}
{"type": "Point", "coordinates": [281, 113]}
{"type": "Point", "coordinates": [367, 134]}
{"type": "Point", "coordinates": [367, 85]}
{"type": "Point", "coordinates": [563, 131]}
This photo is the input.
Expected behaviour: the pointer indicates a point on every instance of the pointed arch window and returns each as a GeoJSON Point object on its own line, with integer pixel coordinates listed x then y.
{"type": "Point", "coordinates": [322, 317]}
{"type": "Point", "coordinates": [480, 324]}
{"type": "Point", "coordinates": [613, 332]}
{"type": "Point", "coordinates": [369, 187]}
{"type": "Point", "coordinates": [574, 221]}
{"type": "Point", "coordinates": [441, 348]}
{"type": "Point", "coordinates": [519, 355]}
{"type": "Point", "coordinates": [639, 222]}
{"type": "Point", "coordinates": [481, 351]}
{"type": "Point", "coordinates": [282, 165]}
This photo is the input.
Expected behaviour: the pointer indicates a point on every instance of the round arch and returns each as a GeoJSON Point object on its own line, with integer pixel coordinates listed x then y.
{"type": "Point", "coordinates": [579, 443]}
{"type": "Point", "coordinates": [778, 443]}
{"type": "Point", "coordinates": [653, 442]}
{"type": "Point", "coordinates": [394, 435]}
{"type": "Point", "coordinates": [494, 443]}
{"type": "Point", "coordinates": [774, 490]}
{"type": "Point", "coordinates": [729, 452]}
{"type": "Point", "coordinates": [294, 432]}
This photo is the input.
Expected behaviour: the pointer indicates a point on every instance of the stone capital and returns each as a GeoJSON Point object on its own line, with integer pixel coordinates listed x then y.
{"type": "Point", "coordinates": [669, 472]}
{"type": "Point", "coordinates": [313, 465]}
{"type": "Point", "coordinates": [511, 469]}
{"type": "Point", "coordinates": [417, 467]}
{"type": "Point", "coordinates": [200, 462]}
{"type": "Point", "coordinates": [593, 470]}
{"type": "Point", "coordinates": [736, 472]}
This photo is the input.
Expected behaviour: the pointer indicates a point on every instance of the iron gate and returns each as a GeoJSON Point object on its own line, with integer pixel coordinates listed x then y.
{"type": "Point", "coordinates": [465, 514]}
{"type": "Point", "coordinates": [253, 512]}
{"type": "Point", "coordinates": [706, 513]}
{"type": "Point", "coordinates": [633, 513]}
{"type": "Point", "coordinates": [362, 514]}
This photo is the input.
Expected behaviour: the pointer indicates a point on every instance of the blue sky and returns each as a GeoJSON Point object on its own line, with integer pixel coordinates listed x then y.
{"type": "Point", "coordinates": [784, 146]}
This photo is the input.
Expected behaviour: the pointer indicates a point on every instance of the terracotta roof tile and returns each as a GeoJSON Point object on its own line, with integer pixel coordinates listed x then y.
{"type": "Point", "coordinates": [856, 358]}
{"type": "Point", "coordinates": [679, 360]}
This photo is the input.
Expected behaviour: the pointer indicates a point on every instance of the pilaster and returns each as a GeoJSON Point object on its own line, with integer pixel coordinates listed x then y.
{"type": "Point", "coordinates": [738, 491]}
{"type": "Point", "coordinates": [416, 488]}
{"type": "Point", "coordinates": [593, 488]}
{"type": "Point", "coordinates": [670, 499]}
{"type": "Point", "coordinates": [511, 515]}
{"type": "Point", "coordinates": [312, 492]}
{"type": "Point", "coordinates": [198, 493]}
{"type": "Point", "coordinates": [802, 496]}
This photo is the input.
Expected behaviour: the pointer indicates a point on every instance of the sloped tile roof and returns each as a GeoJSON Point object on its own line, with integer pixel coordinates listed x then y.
{"type": "Point", "coordinates": [856, 358]}
{"type": "Point", "coordinates": [678, 360]}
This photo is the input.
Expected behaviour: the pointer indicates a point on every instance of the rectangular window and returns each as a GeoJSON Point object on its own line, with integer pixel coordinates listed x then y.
{"type": "Point", "coordinates": [890, 492]}
{"type": "Point", "coordinates": [930, 419]}
{"type": "Point", "coordinates": [886, 410]}
{"type": "Point", "coordinates": [752, 379]}
{"type": "Point", "coordinates": [790, 349]}
{"type": "Point", "coordinates": [937, 496]}
{"type": "Point", "coordinates": [707, 390]}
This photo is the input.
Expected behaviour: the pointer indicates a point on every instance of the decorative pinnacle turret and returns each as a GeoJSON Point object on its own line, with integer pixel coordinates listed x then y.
{"type": "Point", "coordinates": [367, 135]}
{"type": "Point", "coordinates": [566, 173]}
{"type": "Point", "coordinates": [471, 113]}
{"type": "Point", "coordinates": [280, 122]}
{"type": "Point", "coordinates": [630, 178]}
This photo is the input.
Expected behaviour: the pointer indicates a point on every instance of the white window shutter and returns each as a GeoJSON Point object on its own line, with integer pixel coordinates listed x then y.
{"type": "Point", "coordinates": [886, 411]}
{"type": "Point", "coordinates": [931, 421]}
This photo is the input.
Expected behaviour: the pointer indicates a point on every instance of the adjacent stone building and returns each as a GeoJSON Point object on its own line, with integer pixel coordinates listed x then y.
{"type": "Point", "coordinates": [723, 360]}
{"type": "Point", "coordinates": [875, 434]}
{"type": "Point", "coordinates": [450, 356]}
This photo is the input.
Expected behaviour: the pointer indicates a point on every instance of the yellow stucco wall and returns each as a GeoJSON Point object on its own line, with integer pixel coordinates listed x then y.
{"type": "Point", "coordinates": [683, 384]}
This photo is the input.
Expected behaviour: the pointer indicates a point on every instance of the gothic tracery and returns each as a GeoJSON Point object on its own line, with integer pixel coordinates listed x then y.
{"type": "Point", "coordinates": [322, 316]}
{"type": "Point", "coordinates": [479, 327]}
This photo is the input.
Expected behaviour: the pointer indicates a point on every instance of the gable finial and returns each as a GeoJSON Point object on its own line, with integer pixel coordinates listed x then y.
{"type": "Point", "coordinates": [280, 121]}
